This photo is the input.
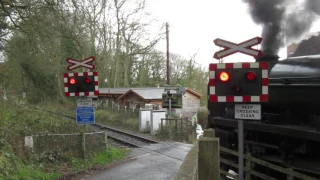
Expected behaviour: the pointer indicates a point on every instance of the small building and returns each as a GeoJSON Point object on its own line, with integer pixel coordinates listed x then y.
{"type": "Point", "coordinates": [111, 94]}
{"type": "Point", "coordinates": [139, 97]}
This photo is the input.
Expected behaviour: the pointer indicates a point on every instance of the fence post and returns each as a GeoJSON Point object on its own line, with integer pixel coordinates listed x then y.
{"type": "Point", "coordinates": [248, 166]}
{"type": "Point", "coordinates": [289, 176]}
{"type": "Point", "coordinates": [176, 126]}
{"type": "Point", "coordinates": [187, 131]}
{"type": "Point", "coordinates": [194, 131]}
{"type": "Point", "coordinates": [106, 139]}
{"type": "Point", "coordinates": [161, 125]}
{"type": "Point", "coordinates": [209, 156]}
{"type": "Point", "coordinates": [181, 128]}
{"type": "Point", "coordinates": [83, 140]}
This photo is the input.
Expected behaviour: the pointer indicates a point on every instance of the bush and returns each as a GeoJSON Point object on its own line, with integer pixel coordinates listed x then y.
{"type": "Point", "coordinates": [203, 117]}
{"type": "Point", "coordinates": [18, 120]}
{"type": "Point", "coordinates": [114, 118]}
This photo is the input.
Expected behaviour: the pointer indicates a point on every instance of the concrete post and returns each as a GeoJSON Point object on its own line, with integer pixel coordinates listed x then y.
{"type": "Point", "coordinates": [209, 156]}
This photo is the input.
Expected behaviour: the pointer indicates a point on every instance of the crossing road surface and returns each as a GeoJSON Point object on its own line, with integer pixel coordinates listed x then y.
{"type": "Point", "coordinates": [146, 164]}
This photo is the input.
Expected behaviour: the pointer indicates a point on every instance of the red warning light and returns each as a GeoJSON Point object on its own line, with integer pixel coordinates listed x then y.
{"type": "Point", "coordinates": [88, 80]}
{"type": "Point", "coordinates": [224, 76]}
{"type": "Point", "coordinates": [72, 81]}
{"type": "Point", "coordinates": [251, 76]}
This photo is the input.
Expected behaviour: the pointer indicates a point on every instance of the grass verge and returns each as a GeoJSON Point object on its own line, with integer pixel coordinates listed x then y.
{"type": "Point", "coordinates": [127, 119]}
{"type": "Point", "coordinates": [18, 120]}
{"type": "Point", "coordinates": [99, 159]}
{"type": "Point", "coordinates": [53, 171]}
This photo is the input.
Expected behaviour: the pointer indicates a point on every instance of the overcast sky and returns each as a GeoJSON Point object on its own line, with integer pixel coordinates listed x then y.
{"type": "Point", "coordinates": [195, 24]}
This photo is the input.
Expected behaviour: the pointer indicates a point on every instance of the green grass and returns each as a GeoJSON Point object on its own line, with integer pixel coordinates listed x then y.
{"type": "Point", "coordinates": [12, 167]}
{"type": "Point", "coordinates": [28, 172]}
{"type": "Point", "coordinates": [99, 159]}
{"type": "Point", "coordinates": [127, 119]}
{"type": "Point", "coordinates": [17, 121]}
{"type": "Point", "coordinates": [51, 172]}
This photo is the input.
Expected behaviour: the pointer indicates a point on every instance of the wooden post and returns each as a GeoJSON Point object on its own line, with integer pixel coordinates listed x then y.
{"type": "Point", "coordinates": [209, 133]}
{"type": "Point", "coordinates": [289, 176]}
{"type": "Point", "coordinates": [83, 135]}
{"type": "Point", "coordinates": [181, 128]}
{"type": "Point", "coordinates": [176, 126]}
{"type": "Point", "coordinates": [209, 156]}
{"type": "Point", "coordinates": [248, 166]}
{"type": "Point", "coordinates": [106, 139]}
{"type": "Point", "coordinates": [194, 133]}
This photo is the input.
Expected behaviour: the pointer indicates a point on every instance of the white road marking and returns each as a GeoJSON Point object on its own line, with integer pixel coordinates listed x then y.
{"type": "Point", "coordinates": [140, 156]}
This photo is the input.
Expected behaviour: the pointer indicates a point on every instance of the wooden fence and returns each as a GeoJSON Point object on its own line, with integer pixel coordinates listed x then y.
{"type": "Point", "coordinates": [210, 168]}
{"type": "Point", "coordinates": [181, 128]}
{"type": "Point", "coordinates": [64, 146]}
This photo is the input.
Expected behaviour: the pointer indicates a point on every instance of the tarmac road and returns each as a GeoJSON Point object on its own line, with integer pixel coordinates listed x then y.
{"type": "Point", "coordinates": [145, 164]}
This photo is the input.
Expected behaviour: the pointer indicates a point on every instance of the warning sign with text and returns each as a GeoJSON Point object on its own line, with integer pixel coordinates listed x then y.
{"type": "Point", "coordinates": [247, 111]}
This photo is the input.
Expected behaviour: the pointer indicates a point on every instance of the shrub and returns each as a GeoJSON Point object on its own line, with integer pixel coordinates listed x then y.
{"type": "Point", "coordinates": [203, 117]}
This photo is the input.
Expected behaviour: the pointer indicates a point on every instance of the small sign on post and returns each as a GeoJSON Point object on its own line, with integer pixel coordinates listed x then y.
{"type": "Point", "coordinates": [85, 115]}
{"type": "Point", "coordinates": [247, 111]}
{"type": "Point", "coordinates": [84, 101]}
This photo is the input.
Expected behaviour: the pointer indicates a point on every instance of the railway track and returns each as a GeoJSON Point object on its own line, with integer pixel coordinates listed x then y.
{"type": "Point", "coordinates": [125, 138]}
{"type": "Point", "coordinates": [121, 138]}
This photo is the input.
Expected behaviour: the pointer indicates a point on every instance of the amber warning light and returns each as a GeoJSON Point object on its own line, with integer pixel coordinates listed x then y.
{"type": "Point", "coordinates": [224, 76]}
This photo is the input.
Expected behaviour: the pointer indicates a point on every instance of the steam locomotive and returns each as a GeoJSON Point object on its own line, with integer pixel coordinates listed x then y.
{"type": "Point", "coordinates": [288, 133]}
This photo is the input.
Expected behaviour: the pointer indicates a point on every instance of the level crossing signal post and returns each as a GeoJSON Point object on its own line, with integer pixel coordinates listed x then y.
{"type": "Point", "coordinates": [83, 85]}
{"type": "Point", "coordinates": [172, 100]}
{"type": "Point", "coordinates": [247, 96]}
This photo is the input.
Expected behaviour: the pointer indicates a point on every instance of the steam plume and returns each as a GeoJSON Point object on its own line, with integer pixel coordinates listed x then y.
{"type": "Point", "coordinates": [283, 20]}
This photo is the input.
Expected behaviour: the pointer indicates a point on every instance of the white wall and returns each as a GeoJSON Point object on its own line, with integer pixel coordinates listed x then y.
{"type": "Point", "coordinates": [144, 120]}
{"type": "Point", "coordinates": [156, 120]}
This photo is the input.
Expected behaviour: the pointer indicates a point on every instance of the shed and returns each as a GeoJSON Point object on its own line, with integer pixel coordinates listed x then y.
{"type": "Point", "coordinates": [111, 94]}
{"type": "Point", "coordinates": [139, 97]}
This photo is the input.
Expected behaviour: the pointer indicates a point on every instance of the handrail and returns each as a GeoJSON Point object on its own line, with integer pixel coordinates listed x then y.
{"type": "Point", "coordinates": [263, 163]}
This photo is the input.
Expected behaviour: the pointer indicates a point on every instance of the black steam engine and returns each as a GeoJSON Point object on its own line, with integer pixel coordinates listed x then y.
{"type": "Point", "coordinates": [289, 130]}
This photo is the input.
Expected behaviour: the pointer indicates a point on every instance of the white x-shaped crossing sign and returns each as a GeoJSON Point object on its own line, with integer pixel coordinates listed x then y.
{"type": "Point", "coordinates": [231, 48]}
{"type": "Point", "coordinates": [73, 64]}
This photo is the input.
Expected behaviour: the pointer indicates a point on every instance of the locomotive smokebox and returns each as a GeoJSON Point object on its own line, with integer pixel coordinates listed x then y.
{"type": "Point", "coordinates": [268, 58]}
{"type": "Point", "coordinates": [271, 59]}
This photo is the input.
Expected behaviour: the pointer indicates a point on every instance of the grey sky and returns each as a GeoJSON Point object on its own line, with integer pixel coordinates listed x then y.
{"type": "Point", "coordinates": [195, 24]}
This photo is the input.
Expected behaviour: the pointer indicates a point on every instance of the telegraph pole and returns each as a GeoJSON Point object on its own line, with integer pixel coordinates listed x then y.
{"type": "Point", "coordinates": [168, 62]}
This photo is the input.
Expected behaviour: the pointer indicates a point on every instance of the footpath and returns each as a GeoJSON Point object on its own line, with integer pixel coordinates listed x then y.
{"type": "Point", "coordinates": [152, 162]}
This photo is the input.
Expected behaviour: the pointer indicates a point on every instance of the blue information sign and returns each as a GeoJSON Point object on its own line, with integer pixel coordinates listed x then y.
{"type": "Point", "coordinates": [85, 115]}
